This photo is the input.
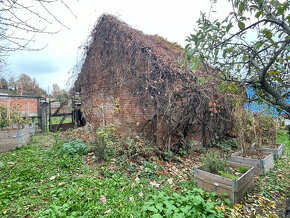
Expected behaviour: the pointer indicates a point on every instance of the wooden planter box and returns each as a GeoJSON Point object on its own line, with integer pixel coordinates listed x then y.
{"type": "Point", "coordinates": [276, 152]}
{"type": "Point", "coordinates": [235, 189]}
{"type": "Point", "coordinates": [261, 166]}
{"type": "Point", "coordinates": [13, 138]}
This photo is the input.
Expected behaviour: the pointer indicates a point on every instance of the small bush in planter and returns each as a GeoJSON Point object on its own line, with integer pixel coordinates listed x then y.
{"type": "Point", "coordinates": [75, 147]}
{"type": "Point", "coordinates": [3, 116]}
{"type": "Point", "coordinates": [15, 117]}
{"type": "Point", "coordinates": [212, 162]}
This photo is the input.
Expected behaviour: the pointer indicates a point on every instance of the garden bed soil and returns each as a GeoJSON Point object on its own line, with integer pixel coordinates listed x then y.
{"type": "Point", "coordinates": [276, 149]}
{"type": "Point", "coordinates": [262, 161]}
{"type": "Point", "coordinates": [234, 189]}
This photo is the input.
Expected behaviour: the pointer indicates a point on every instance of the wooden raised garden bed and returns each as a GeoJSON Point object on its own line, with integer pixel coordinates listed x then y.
{"type": "Point", "coordinates": [235, 189]}
{"type": "Point", "coordinates": [12, 138]}
{"type": "Point", "coordinates": [277, 150]}
{"type": "Point", "coordinates": [261, 166]}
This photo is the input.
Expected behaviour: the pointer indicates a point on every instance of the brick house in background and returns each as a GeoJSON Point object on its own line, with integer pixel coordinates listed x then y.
{"type": "Point", "coordinates": [135, 82]}
{"type": "Point", "coordinates": [28, 105]}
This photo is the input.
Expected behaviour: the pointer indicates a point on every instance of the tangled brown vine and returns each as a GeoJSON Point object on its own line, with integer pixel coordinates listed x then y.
{"type": "Point", "coordinates": [175, 103]}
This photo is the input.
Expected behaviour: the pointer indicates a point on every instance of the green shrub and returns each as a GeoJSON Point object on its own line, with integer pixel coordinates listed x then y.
{"type": "Point", "coordinates": [243, 169]}
{"type": "Point", "coordinates": [75, 147]}
{"type": "Point", "coordinates": [149, 170]}
{"type": "Point", "coordinates": [213, 162]}
{"type": "Point", "coordinates": [227, 175]}
{"type": "Point", "coordinates": [192, 143]}
{"type": "Point", "coordinates": [225, 145]}
{"type": "Point", "coordinates": [201, 150]}
{"type": "Point", "coordinates": [104, 143]}
{"type": "Point", "coordinates": [168, 155]}
{"type": "Point", "coordinates": [107, 144]}
{"type": "Point", "coordinates": [3, 116]}
{"type": "Point", "coordinates": [193, 203]}
{"type": "Point", "coordinates": [14, 119]}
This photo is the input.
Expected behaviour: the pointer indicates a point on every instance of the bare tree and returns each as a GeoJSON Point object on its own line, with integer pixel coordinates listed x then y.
{"type": "Point", "coordinates": [20, 20]}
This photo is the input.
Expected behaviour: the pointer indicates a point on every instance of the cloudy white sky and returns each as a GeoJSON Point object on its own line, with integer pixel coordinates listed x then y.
{"type": "Point", "coordinates": [173, 20]}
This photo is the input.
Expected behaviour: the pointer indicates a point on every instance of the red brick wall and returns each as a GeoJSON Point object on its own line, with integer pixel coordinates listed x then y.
{"type": "Point", "coordinates": [120, 108]}
{"type": "Point", "coordinates": [27, 105]}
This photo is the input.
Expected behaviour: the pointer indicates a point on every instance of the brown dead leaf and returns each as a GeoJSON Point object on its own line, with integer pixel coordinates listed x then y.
{"type": "Point", "coordinates": [170, 182]}
{"type": "Point", "coordinates": [61, 183]}
{"type": "Point", "coordinates": [52, 178]}
{"type": "Point", "coordinates": [137, 179]}
{"type": "Point", "coordinates": [102, 199]}
{"type": "Point", "coordinates": [154, 184]}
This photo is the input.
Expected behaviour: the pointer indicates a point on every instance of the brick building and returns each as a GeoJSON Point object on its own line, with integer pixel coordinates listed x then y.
{"type": "Point", "coordinates": [28, 105]}
{"type": "Point", "coordinates": [135, 82]}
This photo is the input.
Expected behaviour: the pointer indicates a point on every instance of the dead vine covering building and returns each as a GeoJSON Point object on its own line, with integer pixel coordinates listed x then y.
{"type": "Point", "coordinates": [134, 81]}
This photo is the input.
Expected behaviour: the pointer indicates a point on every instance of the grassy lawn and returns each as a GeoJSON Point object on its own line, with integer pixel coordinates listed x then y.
{"type": "Point", "coordinates": [56, 120]}
{"type": "Point", "coordinates": [40, 181]}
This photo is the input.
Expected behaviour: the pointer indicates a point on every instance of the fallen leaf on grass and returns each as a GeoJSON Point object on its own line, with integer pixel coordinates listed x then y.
{"type": "Point", "coordinates": [107, 211]}
{"type": "Point", "coordinates": [61, 183]}
{"type": "Point", "coordinates": [170, 182]}
{"type": "Point", "coordinates": [52, 178]}
{"type": "Point", "coordinates": [140, 194]}
{"type": "Point", "coordinates": [154, 184]}
{"type": "Point", "coordinates": [102, 199]}
{"type": "Point", "coordinates": [137, 180]}
{"type": "Point", "coordinates": [11, 163]}
{"type": "Point", "coordinates": [133, 185]}
{"type": "Point", "coordinates": [131, 199]}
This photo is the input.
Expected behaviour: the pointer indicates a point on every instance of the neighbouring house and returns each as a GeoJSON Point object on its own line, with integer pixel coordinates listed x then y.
{"type": "Point", "coordinates": [16, 135]}
{"type": "Point", "coordinates": [28, 104]}
{"type": "Point", "coordinates": [135, 81]}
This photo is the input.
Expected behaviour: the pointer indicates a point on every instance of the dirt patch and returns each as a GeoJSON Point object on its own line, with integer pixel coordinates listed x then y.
{"type": "Point", "coordinates": [255, 155]}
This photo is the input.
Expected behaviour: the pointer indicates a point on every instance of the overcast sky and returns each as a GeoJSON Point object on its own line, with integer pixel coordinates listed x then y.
{"type": "Point", "coordinates": [173, 20]}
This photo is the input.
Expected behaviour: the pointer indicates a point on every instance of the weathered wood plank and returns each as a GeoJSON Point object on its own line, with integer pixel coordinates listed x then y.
{"type": "Point", "coordinates": [276, 152]}
{"type": "Point", "coordinates": [215, 183]}
{"type": "Point", "coordinates": [213, 178]}
{"type": "Point", "coordinates": [239, 194]}
{"type": "Point", "coordinates": [259, 165]}
{"type": "Point", "coordinates": [208, 186]}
